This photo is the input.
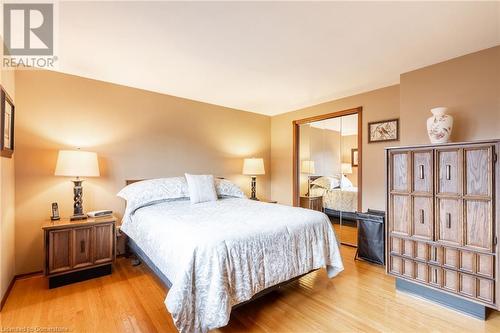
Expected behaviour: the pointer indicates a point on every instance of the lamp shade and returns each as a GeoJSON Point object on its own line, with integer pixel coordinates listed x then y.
{"type": "Point", "coordinates": [253, 166]}
{"type": "Point", "coordinates": [77, 163]}
{"type": "Point", "coordinates": [307, 167]}
{"type": "Point", "coordinates": [346, 168]}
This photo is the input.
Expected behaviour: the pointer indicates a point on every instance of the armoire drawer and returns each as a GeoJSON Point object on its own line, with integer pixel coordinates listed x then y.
{"type": "Point", "coordinates": [395, 245]}
{"type": "Point", "coordinates": [485, 265]}
{"type": "Point", "coordinates": [395, 265]}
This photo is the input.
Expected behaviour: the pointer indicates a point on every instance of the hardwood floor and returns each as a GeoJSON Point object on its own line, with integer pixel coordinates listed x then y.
{"type": "Point", "coordinates": [360, 299]}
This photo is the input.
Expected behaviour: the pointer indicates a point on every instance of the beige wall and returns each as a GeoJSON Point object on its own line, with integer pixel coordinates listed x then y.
{"type": "Point", "coordinates": [137, 134]}
{"type": "Point", "coordinates": [7, 208]}
{"type": "Point", "coordinates": [350, 142]}
{"type": "Point", "coordinates": [468, 85]}
{"type": "Point", "coordinates": [377, 105]}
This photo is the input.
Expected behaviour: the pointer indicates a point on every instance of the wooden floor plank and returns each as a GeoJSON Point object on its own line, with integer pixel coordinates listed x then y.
{"type": "Point", "coordinates": [361, 299]}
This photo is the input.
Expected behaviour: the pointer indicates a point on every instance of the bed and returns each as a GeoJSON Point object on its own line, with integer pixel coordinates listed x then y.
{"type": "Point", "coordinates": [337, 201]}
{"type": "Point", "coordinates": [216, 255]}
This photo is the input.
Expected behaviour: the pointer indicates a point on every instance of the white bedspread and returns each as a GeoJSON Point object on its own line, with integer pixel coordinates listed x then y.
{"type": "Point", "coordinates": [219, 254]}
{"type": "Point", "coordinates": [345, 199]}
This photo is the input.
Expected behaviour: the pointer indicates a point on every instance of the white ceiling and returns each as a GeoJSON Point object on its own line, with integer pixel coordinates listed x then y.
{"type": "Point", "coordinates": [266, 57]}
{"type": "Point", "coordinates": [346, 125]}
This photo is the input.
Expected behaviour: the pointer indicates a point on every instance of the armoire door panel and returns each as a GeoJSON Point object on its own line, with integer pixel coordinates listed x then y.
{"type": "Point", "coordinates": [400, 214]}
{"type": "Point", "coordinates": [400, 174]}
{"type": "Point", "coordinates": [423, 217]}
{"type": "Point", "coordinates": [478, 225]}
{"type": "Point", "coordinates": [449, 177]}
{"type": "Point", "coordinates": [423, 178]}
{"type": "Point", "coordinates": [478, 163]}
{"type": "Point", "coordinates": [449, 221]}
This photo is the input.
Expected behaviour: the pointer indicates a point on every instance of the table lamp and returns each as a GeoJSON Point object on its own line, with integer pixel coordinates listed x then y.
{"type": "Point", "coordinates": [307, 167]}
{"type": "Point", "coordinates": [77, 163]}
{"type": "Point", "coordinates": [253, 167]}
{"type": "Point", "coordinates": [346, 168]}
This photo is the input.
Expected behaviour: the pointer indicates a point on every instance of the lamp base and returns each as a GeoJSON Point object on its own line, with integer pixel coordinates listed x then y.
{"type": "Point", "coordinates": [78, 217]}
{"type": "Point", "coordinates": [254, 185]}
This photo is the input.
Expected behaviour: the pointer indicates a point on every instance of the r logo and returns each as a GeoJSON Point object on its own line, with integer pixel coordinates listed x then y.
{"type": "Point", "coordinates": [28, 29]}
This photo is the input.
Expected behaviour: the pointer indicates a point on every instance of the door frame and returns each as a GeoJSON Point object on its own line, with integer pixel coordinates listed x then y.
{"type": "Point", "coordinates": [296, 140]}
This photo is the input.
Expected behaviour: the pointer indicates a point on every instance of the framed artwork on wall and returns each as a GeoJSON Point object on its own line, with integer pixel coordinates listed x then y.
{"type": "Point", "coordinates": [382, 131]}
{"type": "Point", "coordinates": [354, 157]}
{"type": "Point", "coordinates": [6, 125]}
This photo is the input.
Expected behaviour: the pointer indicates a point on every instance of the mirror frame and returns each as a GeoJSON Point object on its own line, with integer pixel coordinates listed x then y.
{"type": "Point", "coordinates": [296, 139]}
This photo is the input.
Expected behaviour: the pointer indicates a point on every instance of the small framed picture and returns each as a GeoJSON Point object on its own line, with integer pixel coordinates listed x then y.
{"type": "Point", "coordinates": [6, 125]}
{"type": "Point", "coordinates": [385, 130]}
{"type": "Point", "coordinates": [354, 157]}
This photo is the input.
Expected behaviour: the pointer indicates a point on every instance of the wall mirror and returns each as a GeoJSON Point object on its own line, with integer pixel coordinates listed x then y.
{"type": "Point", "coordinates": [327, 169]}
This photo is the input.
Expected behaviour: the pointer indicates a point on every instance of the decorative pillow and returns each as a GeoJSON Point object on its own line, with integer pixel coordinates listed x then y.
{"type": "Point", "coordinates": [327, 183]}
{"type": "Point", "coordinates": [145, 192]}
{"type": "Point", "coordinates": [201, 188]}
{"type": "Point", "coordinates": [226, 188]}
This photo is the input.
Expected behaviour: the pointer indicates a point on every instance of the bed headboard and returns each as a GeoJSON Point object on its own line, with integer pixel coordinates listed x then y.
{"type": "Point", "coordinates": [131, 181]}
{"type": "Point", "coordinates": [313, 178]}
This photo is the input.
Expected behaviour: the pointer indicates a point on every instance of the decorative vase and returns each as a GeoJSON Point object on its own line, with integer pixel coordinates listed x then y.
{"type": "Point", "coordinates": [439, 126]}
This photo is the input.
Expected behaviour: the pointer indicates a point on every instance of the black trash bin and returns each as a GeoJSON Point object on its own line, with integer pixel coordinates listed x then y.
{"type": "Point", "coordinates": [371, 237]}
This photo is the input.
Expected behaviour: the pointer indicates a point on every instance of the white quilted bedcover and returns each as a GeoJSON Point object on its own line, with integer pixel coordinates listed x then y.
{"type": "Point", "coordinates": [219, 254]}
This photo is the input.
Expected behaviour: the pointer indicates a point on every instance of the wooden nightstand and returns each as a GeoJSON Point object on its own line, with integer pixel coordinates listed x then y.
{"type": "Point", "coordinates": [121, 242]}
{"type": "Point", "coordinates": [312, 202]}
{"type": "Point", "coordinates": [78, 250]}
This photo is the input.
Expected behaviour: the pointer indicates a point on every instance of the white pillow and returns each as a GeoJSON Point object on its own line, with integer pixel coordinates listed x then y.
{"type": "Point", "coordinates": [225, 188]}
{"type": "Point", "coordinates": [201, 188]}
{"type": "Point", "coordinates": [149, 191]}
{"type": "Point", "coordinates": [345, 182]}
{"type": "Point", "coordinates": [328, 183]}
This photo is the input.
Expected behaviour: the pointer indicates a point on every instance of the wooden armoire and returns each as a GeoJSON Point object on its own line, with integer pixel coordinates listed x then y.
{"type": "Point", "coordinates": [442, 219]}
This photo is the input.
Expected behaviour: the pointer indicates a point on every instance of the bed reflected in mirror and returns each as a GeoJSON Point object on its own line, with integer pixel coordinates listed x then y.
{"type": "Point", "coordinates": [329, 167]}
